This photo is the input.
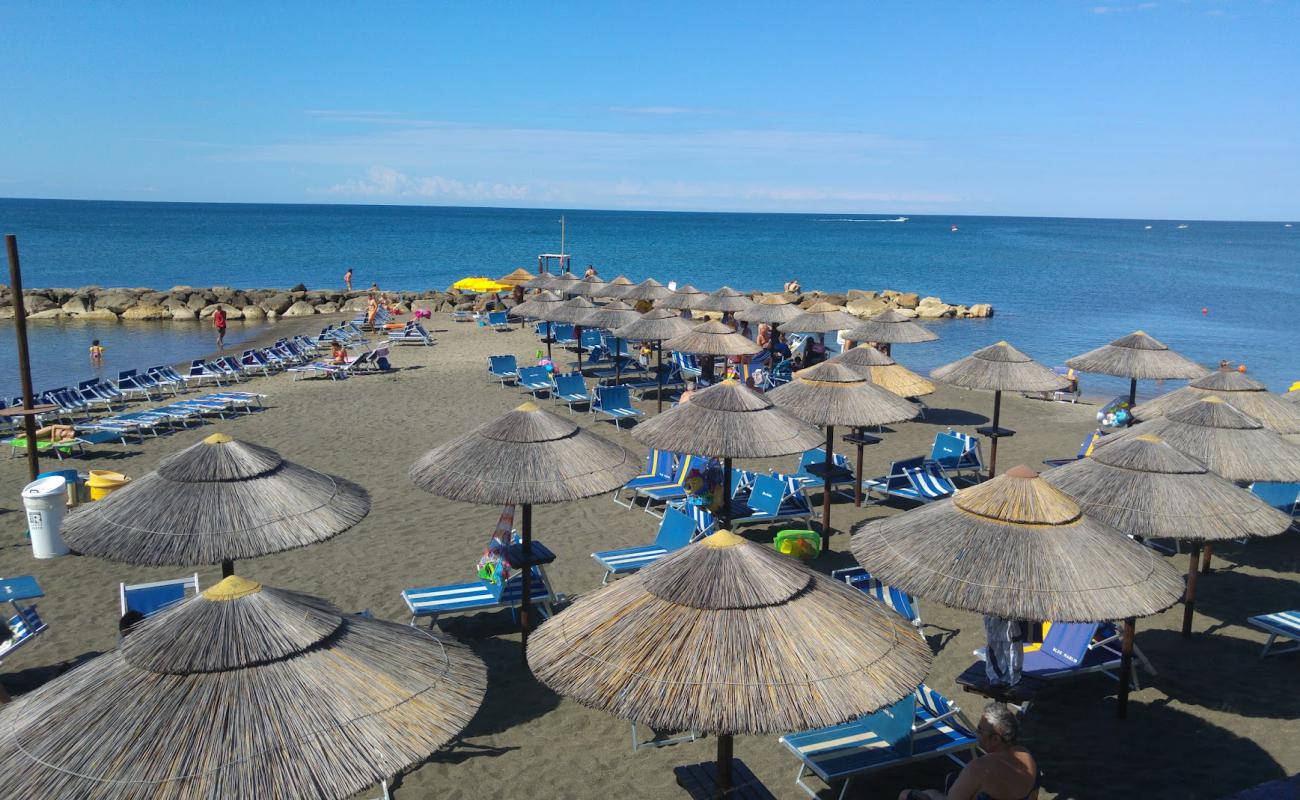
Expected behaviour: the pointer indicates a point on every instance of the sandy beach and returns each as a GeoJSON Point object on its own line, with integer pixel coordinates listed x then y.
{"type": "Point", "coordinates": [1215, 720]}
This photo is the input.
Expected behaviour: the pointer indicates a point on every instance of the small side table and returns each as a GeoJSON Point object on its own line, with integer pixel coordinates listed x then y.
{"type": "Point", "coordinates": [994, 433]}
{"type": "Point", "coordinates": [860, 439]}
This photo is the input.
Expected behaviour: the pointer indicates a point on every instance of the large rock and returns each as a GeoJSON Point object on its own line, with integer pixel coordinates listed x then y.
{"type": "Point", "coordinates": [7, 312]}
{"type": "Point", "coordinates": [279, 303]}
{"type": "Point", "coordinates": [115, 300]}
{"type": "Point", "coordinates": [174, 301]}
{"type": "Point", "coordinates": [355, 304]}
{"type": "Point", "coordinates": [867, 306]}
{"type": "Point", "coordinates": [859, 294]}
{"type": "Point", "coordinates": [77, 304]}
{"type": "Point", "coordinates": [38, 303]}
{"type": "Point", "coordinates": [49, 313]}
{"type": "Point", "coordinates": [300, 309]}
{"type": "Point", "coordinates": [98, 315]}
{"type": "Point", "coordinates": [908, 300]}
{"type": "Point", "coordinates": [327, 308]}
{"type": "Point", "coordinates": [253, 312]}
{"type": "Point", "coordinates": [231, 311]}
{"type": "Point", "coordinates": [183, 314]}
{"type": "Point", "coordinates": [981, 310]}
{"type": "Point", "coordinates": [934, 308]}
{"type": "Point", "coordinates": [146, 311]}
{"type": "Point", "coordinates": [298, 288]}
{"type": "Point", "coordinates": [197, 302]}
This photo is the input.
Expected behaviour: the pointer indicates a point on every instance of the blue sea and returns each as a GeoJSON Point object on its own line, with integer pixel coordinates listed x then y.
{"type": "Point", "coordinates": [1211, 290]}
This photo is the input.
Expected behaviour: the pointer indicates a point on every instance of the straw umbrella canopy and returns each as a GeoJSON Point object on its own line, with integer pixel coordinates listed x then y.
{"type": "Point", "coordinates": [1019, 548]}
{"type": "Point", "coordinates": [524, 457]}
{"type": "Point", "coordinates": [656, 325]}
{"type": "Point", "coordinates": [728, 420]}
{"type": "Point", "coordinates": [610, 317]}
{"type": "Point", "coordinates": [683, 298]}
{"type": "Point", "coordinates": [243, 691]}
{"type": "Point", "coordinates": [884, 371]}
{"type": "Point", "coordinates": [1244, 393]}
{"type": "Point", "coordinates": [1138, 356]}
{"type": "Point", "coordinates": [544, 280]}
{"type": "Point", "coordinates": [702, 640]}
{"type": "Point", "coordinates": [565, 283]}
{"type": "Point", "coordinates": [821, 318]}
{"type": "Point", "coordinates": [1148, 489]}
{"type": "Point", "coordinates": [649, 290]}
{"type": "Point", "coordinates": [832, 394]}
{"type": "Point", "coordinates": [999, 367]}
{"type": "Point", "coordinates": [616, 287]}
{"type": "Point", "coordinates": [212, 503]}
{"type": "Point", "coordinates": [590, 286]}
{"type": "Point", "coordinates": [520, 277]}
{"type": "Point", "coordinates": [726, 300]}
{"type": "Point", "coordinates": [773, 310]}
{"type": "Point", "coordinates": [891, 327]}
{"type": "Point", "coordinates": [574, 312]}
{"type": "Point", "coordinates": [540, 306]}
{"type": "Point", "coordinates": [1293, 396]}
{"type": "Point", "coordinates": [712, 338]}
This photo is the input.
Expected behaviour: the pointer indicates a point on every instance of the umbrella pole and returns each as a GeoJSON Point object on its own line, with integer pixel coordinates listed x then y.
{"type": "Point", "coordinates": [24, 362]}
{"type": "Point", "coordinates": [659, 373]}
{"type": "Point", "coordinates": [857, 479]}
{"type": "Point", "coordinates": [227, 567]}
{"type": "Point", "coordinates": [577, 333]}
{"type": "Point", "coordinates": [550, 334]}
{"type": "Point", "coordinates": [1205, 559]}
{"type": "Point", "coordinates": [1125, 668]}
{"type": "Point", "coordinates": [1189, 598]}
{"type": "Point", "coordinates": [724, 764]}
{"type": "Point", "coordinates": [1132, 399]}
{"type": "Point", "coordinates": [993, 449]}
{"type": "Point", "coordinates": [527, 587]}
{"type": "Point", "coordinates": [618, 362]}
{"type": "Point", "coordinates": [725, 515]}
{"type": "Point", "coordinates": [826, 489]}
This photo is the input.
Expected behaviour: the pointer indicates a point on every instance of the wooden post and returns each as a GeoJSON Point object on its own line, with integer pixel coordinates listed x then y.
{"type": "Point", "coordinates": [857, 479]}
{"type": "Point", "coordinates": [724, 764]}
{"type": "Point", "coordinates": [227, 567]}
{"type": "Point", "coordinates": [993, 449]}
{"type": "Point", "coordinates": [1189, 598]}
{"type": "Point", "coordinates": [527, 582]}
{"type": "Point", "coordinates": [577, 335]}
{"type": "Point", "coordinates": [24, 363]}
{"type": "Point", "coordinates": [659, 373]}
{"type": "Point", "coordinates": [618, 362]}
{"type": "Point", "coordinates": [826, 490]}
{"type": "Point", "coordinates": [1205, 559]}
{"type": "Point", "coordinates": [1125, 668]}
{"type": "Point", "coordinates": [550, 334]}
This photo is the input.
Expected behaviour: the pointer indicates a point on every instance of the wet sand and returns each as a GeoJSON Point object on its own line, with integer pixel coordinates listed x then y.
{"type": "Point", "coordinates": [1214, 721]}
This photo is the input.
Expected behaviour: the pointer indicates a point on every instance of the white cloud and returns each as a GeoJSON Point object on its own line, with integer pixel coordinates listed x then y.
{"type": "Point", "coordinates": [388, 182]}
{"type": "Point", "coordinates": [1112, 9]}
{"type": "Point", "coordinates": [660, 110]}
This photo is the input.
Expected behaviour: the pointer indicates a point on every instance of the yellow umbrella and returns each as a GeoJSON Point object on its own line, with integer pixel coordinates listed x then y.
{"type": "Point", "coordinates": [480, 284]}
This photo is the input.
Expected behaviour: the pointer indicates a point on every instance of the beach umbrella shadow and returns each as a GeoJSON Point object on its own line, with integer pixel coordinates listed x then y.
{"type": "Point", "coordinates": [1275, 554]}
{"type": "Point", "coordinates": [1233, 594]}
{"type": "Point", "coordinates": [952, 417]}
{"type": "Point", "coordinates": [515, 697]}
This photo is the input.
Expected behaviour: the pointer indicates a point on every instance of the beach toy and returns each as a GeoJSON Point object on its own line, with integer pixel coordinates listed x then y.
{"type": "Point", "coordinates": [104, 482]}
{"type": "Point", "coordinates": [804, 545]}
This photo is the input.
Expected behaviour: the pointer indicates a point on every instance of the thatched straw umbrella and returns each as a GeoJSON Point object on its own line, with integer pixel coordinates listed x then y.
{"type": "Point", "coordinates": [712, 338]}
{"type": "Point", "coordinates": [649, 290]}
{"type": "Point", "coordinates": [575, 313]}
{"type": "Point", "coordinates": [616, 287]}
{"type": "Point", "coordinates": [544, 280]}
{"type": "Point", "coordinates": [215, 502]}
{"type": "Point", "coordinates": [832, 394]}
{"type": "Point", "coordinates": [566, 283]}
{"type": "Point", "coordinates": [1137, 356]}
{"type": "Point", "coordinates": [1018, 548]}
{"type": "Point", "coordinates": [520, 277]}
{"type": "Point", "coordinates": [891, 327]}
{"type": "Point", "coordinates": [773, 310]}
{"type": "Point", "coordinates": [1244, 393]}
{"type": "Point", "coordinates": [1148, 489]}
{"type": "Point", "coordinates": [656, 325]}
{"type": "Point", "coordinates": [591, 286]}
{"type": "Point", "coordinates": [726, 300]}
{"type": "Point", "coordinates": [729, 637]}
{"type": "Point", "coordinates": [683, 298]}
{"type": "Point", "coordinates": [884, 371]}
{"type": "Point", "coordinates": [610, 317]}
{"type": "Point", "coordinates": [728, 420]}
{"type": "Point", "coordinates": [999, 367]}
{"type": "Point", "coordinates": [1293, 396]}
{"type": "Point", "coordinates": [524, 457]}
{"type": "Point", "coordinates": [821, 318]}
{"type": "Point", "coordinates": [540, 306]}
{"type": "Point", "coordinates": [243, 691]}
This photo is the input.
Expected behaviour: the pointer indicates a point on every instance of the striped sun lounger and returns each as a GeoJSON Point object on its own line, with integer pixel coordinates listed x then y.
{"type": "Point", "coordinates": [896, 599]}
{"type": "Point", "coordinates": [458, 598]}
{"type": "Point", "coordinates": [1284, 625]}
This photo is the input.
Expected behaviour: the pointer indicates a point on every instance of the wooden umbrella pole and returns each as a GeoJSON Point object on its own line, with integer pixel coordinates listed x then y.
{"type": "Point", "coordinates": [550, 334]}
{"type": "Point", "coordinates": [527, 582]}
{"type": "Point", "coordinates": [618, 362]}
{"type": "Point", "coordinates": [826, 490]}
{"type": "Point", "coordinates": [577, 335]}
{"type": "Point", "coordinates": [1189, 598]}
{"type": "Point", "coordinates": [659, 373]}
{"type": "Point", "coordinates": [1205, 558]}
{"type": "Point", "coordinates": [724, 764]}
{"type": "Point", "coordinates": [993, 450]}
{"type": "Point", "coordinates": [24, 363]}
{"type": "Point", "coordinates": [1132, 400]}
{"type": "Point", "coordinates": [1125, 668]}
{"type": "Point", "coordinates": [227, 567]}
{"type": "Point", "coordinates": [725, 514]}
{"type": "Point", "coordinates": [857, 479]}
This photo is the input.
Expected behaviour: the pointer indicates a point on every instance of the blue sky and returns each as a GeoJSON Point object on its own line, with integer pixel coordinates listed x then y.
{"type": "Point", "coordinates": [1170, 109]}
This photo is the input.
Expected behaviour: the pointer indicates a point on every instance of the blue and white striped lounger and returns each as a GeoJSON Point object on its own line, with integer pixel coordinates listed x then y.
{"type": "Point", "coordinates": [25, 625]}
{"type": "Point", "coordinates": [475, 596]}
{"type": "Point", "coordinates": [918, 480]}
{"type": "Point", "coordinates": [1284, 624]}
{"type": "Point", "coordinates": [896, 599]}
{"type": "Point", "coordinates": [675, 532]}
{"type": "Point", "coordinates": [882, 740]}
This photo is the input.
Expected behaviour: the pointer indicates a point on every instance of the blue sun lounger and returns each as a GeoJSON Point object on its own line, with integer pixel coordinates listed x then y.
{"type": "Point", "coordinates": [1285, 497]}
{"type": "Point", "coordinates": [498, 321]}
{"type": "Point", "coordinates": [958, 453]}
{"type": "Point", "coordinates": [1085, 450]}
{"type": "Point", "coordinates": [688, 365]}
{"type": "Point", "coordinates": [562, 334]}
{"type": "Point", "coordinates": [571, 388]}
{"type": "Point", "coordinates": [1284, 625]}
{"type": "Point", "coordinates": [675, 532]}
{"type": "Point", "coordinates": [457, 598]}
{"type": "Point", "coordinates": [895, 599]}
{"type": "Point", "coordinates": [675, 489]}
{"type": "Point", "coordinates": [26, 624]}
{"type": "Point", "coordinates": [775, 497]}
{"type": "Point", "coordinates": [614, 402]}
{"type": "Point", "coordinates": [659, 466]}
{"type": "Point", "coordinates": [1071, 649]}
{"type": "Point", "coordinates": [535, 379]}
{"type": "Point", "coordinates": [812, 466]}
{"type": "Point", "coordinates": [921, 726]}
{"type": "Point", "coordinates": [918, 480]}
{"type": "Point", "coordinates": [503, 368]}
{"type": "Point", "coordinates": [150, 598]}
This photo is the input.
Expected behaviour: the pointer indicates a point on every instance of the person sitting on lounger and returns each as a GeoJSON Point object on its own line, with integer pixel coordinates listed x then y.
{"type": "Point", "coordinates": [339, 353]}
{"type": "Point", "coordinates": [58, 433]}
{"type": "Point", "coordinates": [686, 395]}
{"type": "Point", "coordinates": [1007, 771]}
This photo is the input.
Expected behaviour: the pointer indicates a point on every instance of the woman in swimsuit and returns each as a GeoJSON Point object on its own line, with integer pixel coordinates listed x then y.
{"type": "Point", "coordinates": [1006, 771]}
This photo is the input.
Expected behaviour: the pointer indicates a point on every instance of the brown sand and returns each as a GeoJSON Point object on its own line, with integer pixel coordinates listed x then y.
{"type": "Point", "coordinates": [1215, 720]}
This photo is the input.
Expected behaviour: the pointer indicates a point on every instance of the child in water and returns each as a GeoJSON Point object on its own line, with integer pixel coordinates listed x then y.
{"type": "Point", "coordinates": [96, 353]}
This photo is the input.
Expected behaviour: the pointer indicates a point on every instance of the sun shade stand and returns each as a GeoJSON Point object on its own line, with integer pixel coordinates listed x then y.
{"type": "Point", "coordinates": [1137, 356]}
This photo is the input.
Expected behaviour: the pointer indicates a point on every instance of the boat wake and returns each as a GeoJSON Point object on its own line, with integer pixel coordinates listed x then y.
{"type": "Point", "coordinates": [895, 219]}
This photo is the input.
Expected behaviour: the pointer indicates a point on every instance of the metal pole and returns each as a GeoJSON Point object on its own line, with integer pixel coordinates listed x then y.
{"type": "Point", "coordinates": [1189, 597]}
{"type": "Point", "coordinates": [1132, 399]}
{"type": "Point", "coordinates": [826, 490]}
{"type": "Point", "coordinates": [527, 581]}
{"type": "Point", "coordinates": [24, 363]}
{"type": "Point", "coordinates": [993, 451]}
{"type": "Point", "coordinates": [1125, 668]}
{"type": "Point", "coordinates": [659, 372]}
{"type": "Point", "coordinates": [724, 764]}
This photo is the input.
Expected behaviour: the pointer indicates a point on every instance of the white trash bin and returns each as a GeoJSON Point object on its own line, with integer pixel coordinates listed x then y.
{"type": "Point", "coordinates": [44, 499]}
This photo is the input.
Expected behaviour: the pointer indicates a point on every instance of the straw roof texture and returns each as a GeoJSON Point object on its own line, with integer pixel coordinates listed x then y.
{"type": "Point", "coordinates": [565, 283]}
{"type": "Point", "coordinates": [611, 315]}
{"type": "Point", "coordinates": [1245, 394]}
{"type": "Point", "coordinates": [656, 324]}
{"type": "Point", "coordinates": [243, 691]}
{"type": "Point", "coordinates": [884, 371]}
{"type": "Point", "coordinates": [773, 309]}
{"type": "Point", "coordinates": [544, 280]}
{"type": "Point", "coordinates": [648, 289]}
{"type": "Point", "coordinates": [590, 287]}
{"type": "Point", "coordinates": [730, 637]}
{"type": "Point", "coordinates": [724, 299]}
{"type": "Point", "coordinates": [999, 367]}
{"type": "Point", "coordinates": [216, 500]}
{"type": "Point", "coordinates": [616, 287]}
{"type": "Point", "coordinates": [713, 338]}
{"type": "Point", "coordinates": [821, 318]}
{"type": "Point", "coordinates": [1139, 356]}
{"type": "Point", "coordinates": [1019, 548]}
{"type": "Point", "coordinates": [1144, 487]}
{"type": "Point", "coordinates": [728, 420]}
{"type": "Point", "coordinates": [833, 394]}
{"type": "Point", "coordinates": [525, 456]}
{"type": "Point", "coordinates": [1293, 396]}
{"type": "Point", "coordinates": [1222, 438]}
{"type": "Point", "coordinates": [573, 311]}
{"type": "Point", "coordinates": [683, 297]}
{"type": "Point", "coordinates": [891, 327]}
{"type": "Point", "coordinates": [537, 306]}
{"type": "Point", "coordinates": [519, 277]}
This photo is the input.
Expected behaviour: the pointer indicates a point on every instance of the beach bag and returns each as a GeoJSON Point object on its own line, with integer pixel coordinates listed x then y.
{"type": "Point", "coordinates": [493, 568]}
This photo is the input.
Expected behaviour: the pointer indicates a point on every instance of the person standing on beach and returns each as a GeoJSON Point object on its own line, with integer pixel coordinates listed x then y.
{"type": "Point", "coordinates": [219, 320]}
{"type": "Point", "coordinates": [347, 278]}
{"type": "Point", "coordinates": [590, 273]}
